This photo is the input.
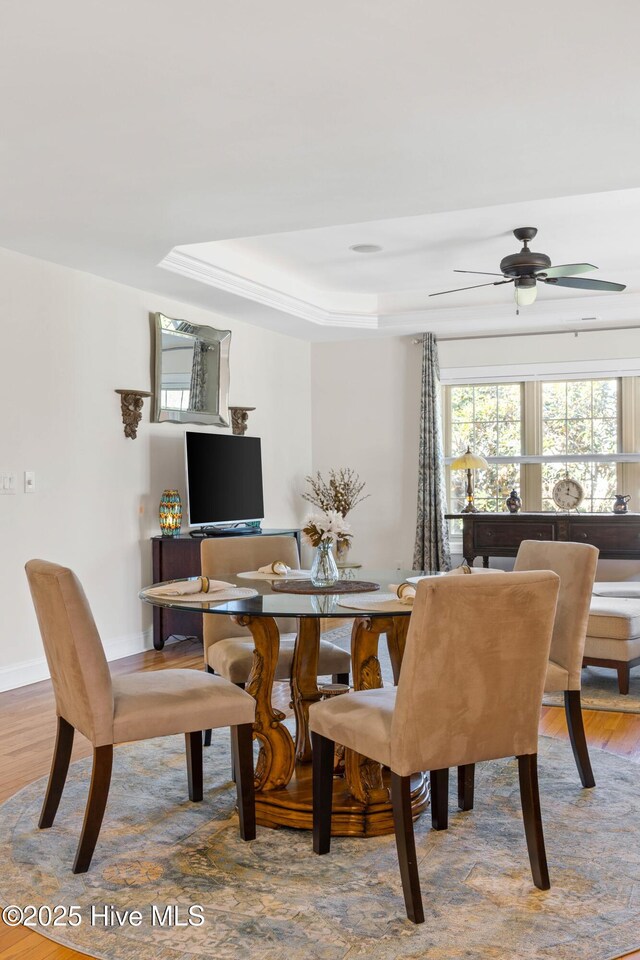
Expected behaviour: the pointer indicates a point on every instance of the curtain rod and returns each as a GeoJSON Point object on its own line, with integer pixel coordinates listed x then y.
{"type": "Point", "coordinates": [541, 333]}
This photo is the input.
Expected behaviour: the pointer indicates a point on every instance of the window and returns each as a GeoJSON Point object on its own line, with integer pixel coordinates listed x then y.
{"type": "Point", "coordinates": [534, 433]}
{"type": "Point", "coordinates": [487, 418]}
{"type": "Point", "coordinates": [175, 399]}
{"type": "Point", "coordinates": [580, 417]}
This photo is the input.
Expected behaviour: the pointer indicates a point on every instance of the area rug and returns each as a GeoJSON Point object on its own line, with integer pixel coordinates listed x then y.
{"type": "Point", "coordinates": [599, 686]}
{"type": "Point", "coordinates": [600, 692]}
{"type": "Point", "coordinates": [273, 899]}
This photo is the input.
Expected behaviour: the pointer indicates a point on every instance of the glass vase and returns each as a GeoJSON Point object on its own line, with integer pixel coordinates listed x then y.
{"type": "Point", "coordinates": [170, 513]}
{"type": "Point", "coordinates": [324, 571]}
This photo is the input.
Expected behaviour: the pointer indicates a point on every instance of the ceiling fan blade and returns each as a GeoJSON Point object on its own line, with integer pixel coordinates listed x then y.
{"type": "Point", "coordinates": [583, 283]}
{"type": "Point", "coordinates": [567, 269]}
{"type": "Point", "coordinates": [482, 273]}
{"type": "Point", "coordinates": [496, 283]}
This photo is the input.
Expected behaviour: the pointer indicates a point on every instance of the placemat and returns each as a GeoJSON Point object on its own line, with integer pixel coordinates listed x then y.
{"type": "Point", "coordinates": [340, 586]}
{"type": "Point", "coordinates": [256, 575]}
{"type": "Point", "coordinates": [216, 596]}
{"type": "Point", "coordinates": [388, 602]}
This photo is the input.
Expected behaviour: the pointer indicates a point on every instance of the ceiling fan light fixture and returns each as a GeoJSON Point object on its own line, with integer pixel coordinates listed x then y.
{"type": "Point", "coordinates": [526, 291]}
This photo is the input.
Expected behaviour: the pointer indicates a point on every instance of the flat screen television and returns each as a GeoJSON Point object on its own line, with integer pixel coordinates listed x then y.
{"type": "Point", "coordinates": [224, 478]}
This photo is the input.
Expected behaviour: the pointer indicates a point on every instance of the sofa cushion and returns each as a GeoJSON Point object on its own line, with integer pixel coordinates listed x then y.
{"type": "Point", "coordinates": [600, 648]}
{"type": "Point", "coordinates": [617, 588]}
{"type": "Point", "coordinates": [616, 618]}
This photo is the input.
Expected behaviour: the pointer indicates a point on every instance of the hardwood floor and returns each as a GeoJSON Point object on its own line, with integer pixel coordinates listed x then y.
{"type": "Point", "coordinates": [27, 719]}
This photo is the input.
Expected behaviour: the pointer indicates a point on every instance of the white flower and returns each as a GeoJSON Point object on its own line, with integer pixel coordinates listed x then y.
{"type": "Point", "coordinates": [326, 526]}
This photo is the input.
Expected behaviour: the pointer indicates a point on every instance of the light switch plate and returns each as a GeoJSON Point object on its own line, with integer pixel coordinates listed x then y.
{"type": "Point", "coordinates": [7, 484]}
{"type": "Point", "coordinates": [29, 481]}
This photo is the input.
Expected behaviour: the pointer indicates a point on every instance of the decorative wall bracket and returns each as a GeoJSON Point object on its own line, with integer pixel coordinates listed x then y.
{"type": "Point", "coordinates": [239, 419]}
{"type": "Point", "coordinates": [131, 402]}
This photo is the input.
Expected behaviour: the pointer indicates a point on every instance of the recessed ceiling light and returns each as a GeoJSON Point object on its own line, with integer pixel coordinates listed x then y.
{"type": "Point", "coordinates": [365, 248]}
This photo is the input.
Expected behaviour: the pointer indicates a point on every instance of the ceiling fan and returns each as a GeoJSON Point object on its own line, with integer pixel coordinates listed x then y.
{"type": "Point", "coordinates": [526, 269]}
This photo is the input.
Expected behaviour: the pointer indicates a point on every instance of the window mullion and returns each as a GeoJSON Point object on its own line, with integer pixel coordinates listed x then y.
{"type": "Point", "coordinates": [531, 473]}
{"type": "Point", "coordinates": [628, 474]}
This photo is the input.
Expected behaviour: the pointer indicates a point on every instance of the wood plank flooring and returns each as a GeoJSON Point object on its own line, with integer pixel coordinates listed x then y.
{"type": "Point", "coordinates": [27, 719]}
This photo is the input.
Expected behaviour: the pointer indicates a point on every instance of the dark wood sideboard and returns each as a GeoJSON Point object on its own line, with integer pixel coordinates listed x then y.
{"type": "Point", "coordinates": [176, 557]}
{"type": "Point", "coordinates": [500, 534]}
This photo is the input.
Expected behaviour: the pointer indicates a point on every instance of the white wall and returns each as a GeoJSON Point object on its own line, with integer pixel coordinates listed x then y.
{"type": "Point", "coordinates": [366, 408]}
{"type": "Point", "coordinates": [365, 415]}
{"type": "Point", "coordinates": [69, 340]}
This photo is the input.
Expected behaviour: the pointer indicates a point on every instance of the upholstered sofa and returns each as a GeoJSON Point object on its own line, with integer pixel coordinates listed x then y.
{"type": "Point", "coordinates": [613, 631]}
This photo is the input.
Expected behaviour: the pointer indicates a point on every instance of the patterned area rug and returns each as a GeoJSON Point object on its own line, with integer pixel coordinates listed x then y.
{"type": "Point", "coordinates": [600, 692]}
{"type": "Point", "coordinates": [273, 899]}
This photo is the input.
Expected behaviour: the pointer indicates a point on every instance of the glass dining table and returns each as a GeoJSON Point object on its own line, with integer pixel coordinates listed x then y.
{"type": "Point", "coordinates": [361, 797]}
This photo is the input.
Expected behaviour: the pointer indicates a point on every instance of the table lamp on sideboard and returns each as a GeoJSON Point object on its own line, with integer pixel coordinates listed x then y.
{"type": "Point", "coordinates": [469, 462]}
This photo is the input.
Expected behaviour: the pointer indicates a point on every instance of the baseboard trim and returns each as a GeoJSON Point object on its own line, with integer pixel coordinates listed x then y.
{"type": "Point", "coordinates": [33, 671]}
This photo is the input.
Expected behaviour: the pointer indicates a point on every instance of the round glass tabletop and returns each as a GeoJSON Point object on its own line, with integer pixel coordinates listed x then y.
{"type": "Point", "coordinates": [268, 603]}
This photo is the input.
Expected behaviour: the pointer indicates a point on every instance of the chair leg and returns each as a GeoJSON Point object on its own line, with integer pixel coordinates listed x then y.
{"type": "Point", "coordinates": [406, 845]}
{"type": "Point", "coordinates": [242, 751]}
{"type": "Point", "coordinates": [466, 786]}
{"type": "Point", "coordinates": [193, 744]}
{"type": "Point", "coordinates": [97, 801]}
{"type": "Point", "coordinates": [322, 773]}
{"type": "Point", "coordinates": [58, 774]}
{"type": "Point", "coordinates": [530, 799]}
{"type": "Point", "coordinates": [623, 678]}
{"type": "Point", "coordinates": [575, 723]}
{"type": "Point", "coordinates": [439, 782]}
{"type": "Point", "coordinates": [341, 678]}
{"type": "Point", "coordinates": [207, 733]}
{"type": "Point", "coordinates": [233, 765]}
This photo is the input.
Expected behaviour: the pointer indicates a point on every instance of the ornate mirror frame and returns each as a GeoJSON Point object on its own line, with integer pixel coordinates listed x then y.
{"type": "Point", "coordinates": [207, 374]}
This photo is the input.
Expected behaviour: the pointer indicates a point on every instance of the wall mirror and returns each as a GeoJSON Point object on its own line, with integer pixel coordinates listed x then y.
{"type": "Point", "coordinates": [191, 383]}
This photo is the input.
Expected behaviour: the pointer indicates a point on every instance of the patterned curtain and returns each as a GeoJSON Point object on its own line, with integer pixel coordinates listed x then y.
{"type": "Point", "coordinates": [432, 535]}
{"type": "Point", "coordinates": [198, 385]}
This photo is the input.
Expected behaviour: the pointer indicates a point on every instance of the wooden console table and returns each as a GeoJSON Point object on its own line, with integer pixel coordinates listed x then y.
{"type": "Point", "coordinates": [173, 559]}
{"type": "Point", "coordinates": [500, 534]}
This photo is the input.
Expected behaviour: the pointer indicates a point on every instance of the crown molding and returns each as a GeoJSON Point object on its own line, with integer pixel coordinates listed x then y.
{"type": "Point", "coordinates": [194, 268]}
{"type": "Point", "coordinates": [545, 315]}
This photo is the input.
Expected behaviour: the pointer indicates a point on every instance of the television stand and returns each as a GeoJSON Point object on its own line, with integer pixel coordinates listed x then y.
{"type": "Point", "coordinates": [177, 557]}
{"type": "Point", "coordinates": [234, 531]}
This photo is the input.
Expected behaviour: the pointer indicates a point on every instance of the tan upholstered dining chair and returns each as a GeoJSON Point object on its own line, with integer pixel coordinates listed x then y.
{"type": "Point", "coordinates": [470, 689]}
{"type": "Point", "coordinates": [575, 564]}
{"type": "Point", "coordinates": [137, 706]}
{"type": "Point", "coordinates": [228, 648]}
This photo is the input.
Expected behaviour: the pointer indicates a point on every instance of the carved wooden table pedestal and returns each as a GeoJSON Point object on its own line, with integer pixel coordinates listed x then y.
{"type": "Point", "coordinates": [361, 799]}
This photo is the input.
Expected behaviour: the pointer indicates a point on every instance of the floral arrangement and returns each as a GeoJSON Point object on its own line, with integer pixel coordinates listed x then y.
{"type": "Point", "coordinates": [328, 526]}
{"type": "Point", "coordinates": [340, 493]}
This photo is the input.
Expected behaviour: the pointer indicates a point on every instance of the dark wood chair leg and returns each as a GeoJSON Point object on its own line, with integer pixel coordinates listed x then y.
{"type": "Point", "coordinates": [466, 786]}
{"type": "Point", "coordinates": [242, 751]}
{"type": "Point", "coordinates": [207, 733]}
{"type": "Point", "coordinates": [575, 723]}
{"type": "Point", "coordinates": [623, 678]}
{"type": "Point", "coordinates": [439, 782]}
{"type": "Point", "coordinates": [530, 799]}
{"type": "Point", "coordinates": [322, 773]}
{"type": "Point", "coordinates": [406, 845]}
{"type": "Point", "coordinates": [97, 801]}
{"type": "Point", "coordinates": [341, 678]}
{"type": "Point", "coordinates": [58, 774]}
{"type": "Point", "coordinates": [193, 744]}
{"type": "Point", "coordinates": [233, 765]}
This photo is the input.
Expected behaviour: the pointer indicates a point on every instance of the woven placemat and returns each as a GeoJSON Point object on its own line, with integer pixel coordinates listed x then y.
{"type": "Point", "coordinates": [340, 586]}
